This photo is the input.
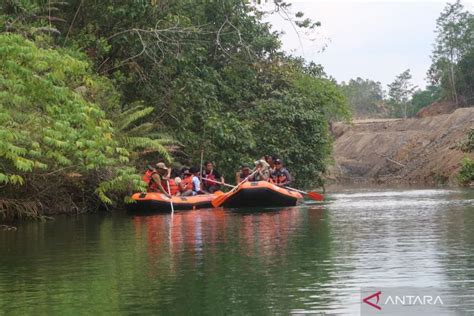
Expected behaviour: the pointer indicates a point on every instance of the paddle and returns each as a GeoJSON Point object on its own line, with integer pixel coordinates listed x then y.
{"type": "Point", "coordinates": [312, 195]}
{"type": "Point", "coordinates": [220, 199]}
{"type": "Point", "coordinates": [171, 197]}
{"type": "Point", "coordinates": [222, 183]}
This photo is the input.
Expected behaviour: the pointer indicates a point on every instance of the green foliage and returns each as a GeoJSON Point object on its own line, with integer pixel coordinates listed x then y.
{"type": "Point", "coordinates": [365, 97]}
{"type": "Point", "coordinates": [467, 145]}
{"type": "Point", "coordinates": [452, 55]}
{"type": "Point", "coordinates": [466, 174]}
{"type": "Point", "coordinates": [48, 129]}
{"type": "Point", "coordinates": [210, 76]}
{"type": "Point", "coordinates": [400, 93]}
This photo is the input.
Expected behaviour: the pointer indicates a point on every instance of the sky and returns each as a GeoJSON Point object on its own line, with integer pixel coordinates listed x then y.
{"type": "Point", "coordinates": [371, 39]}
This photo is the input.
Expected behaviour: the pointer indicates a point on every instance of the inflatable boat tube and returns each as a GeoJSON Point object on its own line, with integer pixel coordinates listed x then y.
{"type": "Point", "coordinates": [158, 202]}
{"type": "Point", "coordinates": [261, 194]}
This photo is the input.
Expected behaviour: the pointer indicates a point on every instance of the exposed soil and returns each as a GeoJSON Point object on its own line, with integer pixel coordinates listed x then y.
{"type": "Point", "coordinates": [437, 108]}
{"type": "Point", "coordinates": [396, 151]}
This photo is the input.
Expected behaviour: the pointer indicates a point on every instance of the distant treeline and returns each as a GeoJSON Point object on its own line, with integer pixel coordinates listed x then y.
{"type": "Point", "coordinates": [92, 91]}
{"type": "Point", "coordinates": [451, 74]}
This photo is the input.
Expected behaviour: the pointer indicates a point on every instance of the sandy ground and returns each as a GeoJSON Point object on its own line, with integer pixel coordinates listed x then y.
{"type": "Point", "coordinates": [397, 151]}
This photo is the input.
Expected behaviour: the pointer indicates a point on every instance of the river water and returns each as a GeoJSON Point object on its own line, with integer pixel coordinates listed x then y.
{"type": "Point", "coordinates": [311, 258]}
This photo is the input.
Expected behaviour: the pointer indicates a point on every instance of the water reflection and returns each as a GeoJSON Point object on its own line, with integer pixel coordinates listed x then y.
{"type": "Point", "coordinates": [262, 234]}
{"type": "Point", "coordinates": [253, 261]}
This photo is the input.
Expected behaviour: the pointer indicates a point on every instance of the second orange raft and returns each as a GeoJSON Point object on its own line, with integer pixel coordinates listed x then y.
{"type": "Point", "coordinates": [261, 194]}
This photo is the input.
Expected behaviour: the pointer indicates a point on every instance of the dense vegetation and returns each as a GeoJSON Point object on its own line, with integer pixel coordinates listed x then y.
{"type": "Point", "coordinates": [466, 174]}
{"type": "Point", "coordinates": [93, 90]}
{"type": "Point", "coordinates": [451, 73]}
{"type": "Point", "coordinates": [365, 96]}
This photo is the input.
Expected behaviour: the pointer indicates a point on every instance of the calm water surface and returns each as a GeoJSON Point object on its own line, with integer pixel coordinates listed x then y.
{"type": "Point", "coordinates": [312, 258]}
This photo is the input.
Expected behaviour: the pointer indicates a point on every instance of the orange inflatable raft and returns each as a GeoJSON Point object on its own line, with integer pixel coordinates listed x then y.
{"type": "Point", "coordinates": [158, 202]}
{"type": "Point", "coordinates": [261, 194]}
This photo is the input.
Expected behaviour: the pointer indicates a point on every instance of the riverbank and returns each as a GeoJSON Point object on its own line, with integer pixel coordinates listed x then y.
{"type": "Point", "coordinates": [417, 151]}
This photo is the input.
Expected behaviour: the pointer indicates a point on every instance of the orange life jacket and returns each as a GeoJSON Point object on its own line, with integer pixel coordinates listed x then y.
{"type": "Point", "coordinates": [174, 188]}
{"type": "Point", "coordinates": [187, 184]}
{"type": "Point", "coordinates": [148, 179]}
{"type": "Point", "coordinates": [152, 184]}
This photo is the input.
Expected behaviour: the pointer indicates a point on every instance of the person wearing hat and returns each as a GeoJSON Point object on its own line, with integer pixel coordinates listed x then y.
{"type": "Point", "coordinates": [243, 173]}
{"type": "Point", "coordinates": [156, 179]}
{"type": "Point", "coordinates": [263, 168]}
{"type": "Point", "coordinates": [193, 183]}
{"type": "Point", "coordinates": [280, 175]}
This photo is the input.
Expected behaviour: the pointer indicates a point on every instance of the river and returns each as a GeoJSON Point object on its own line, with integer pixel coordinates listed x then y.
{"type": "Point", "coordinates": [310, 258]}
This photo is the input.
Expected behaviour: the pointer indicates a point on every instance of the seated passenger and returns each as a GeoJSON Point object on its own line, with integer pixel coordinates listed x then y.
{"type": "Point", "coordinates": [186, 183]}
{"type": "Point", "coordinates": [243, 173]}
{"type": "Point", "coordinates": [281, 176]}
{"type": "Point", "coordinates": [210, 176]}
{"type": "Point", "coordinates": [156, 179]}
{"type": "Point", "coordinates": [193, 184]}
{"type": "Point", "coordinates": [263, 173]}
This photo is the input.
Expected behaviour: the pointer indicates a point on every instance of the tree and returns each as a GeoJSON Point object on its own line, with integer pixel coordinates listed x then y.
{"type": "Point", "coordinates": [212, 75]}
{"type": "Point", "coordinates": [364, 96]}
{"type": "Point", "coordinates": [465, 78]}
{"type": "Point", "coordinates": [455, 33]}
{"type": "Point", "coordinates": [60, 150]}
{"type": "Point", "coordinates": [400, 92]}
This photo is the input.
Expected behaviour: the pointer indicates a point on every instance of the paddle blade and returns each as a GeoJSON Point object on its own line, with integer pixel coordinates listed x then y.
{"type": "Point", "coordinates": [315, 196]}
{"type": "Point", "coordinates": [218, 200]}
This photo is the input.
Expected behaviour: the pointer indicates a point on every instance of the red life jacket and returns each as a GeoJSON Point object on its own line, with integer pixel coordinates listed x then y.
{"type": "Point", "coordinates": [209, 176]}
{"type": "Point", "coordinates": [278, 177]}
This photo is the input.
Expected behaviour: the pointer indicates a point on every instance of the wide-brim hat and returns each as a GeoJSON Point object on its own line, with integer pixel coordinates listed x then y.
{"type": "Point", "coordinates": [161, 165]}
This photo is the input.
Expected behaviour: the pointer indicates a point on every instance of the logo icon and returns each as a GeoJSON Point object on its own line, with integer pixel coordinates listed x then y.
{"type": "Point", "coordinates": [374, 305]}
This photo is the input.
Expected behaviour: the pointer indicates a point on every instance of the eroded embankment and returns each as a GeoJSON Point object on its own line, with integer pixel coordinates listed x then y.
{"type": "Point", "coordinates": [412, 151]}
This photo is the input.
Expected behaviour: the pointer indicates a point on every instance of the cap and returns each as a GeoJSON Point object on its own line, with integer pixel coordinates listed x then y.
{"type": "Point", "coordinates": [245, 166]}
{"type": "Point", "coordinates": [277, 161]}
{"type": "Point", "coordinates": [161, 165]}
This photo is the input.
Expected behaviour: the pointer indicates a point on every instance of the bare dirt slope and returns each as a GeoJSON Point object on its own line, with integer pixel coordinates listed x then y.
{"type": "Point", "coordinates": [412, 151]}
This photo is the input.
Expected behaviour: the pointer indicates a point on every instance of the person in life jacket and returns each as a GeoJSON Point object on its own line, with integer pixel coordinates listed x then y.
{"type": "Point", "coordinates": [186, 183]}
{"type": "Point", "coordinates": [209, 178]}
{"type": "Point", "coordinates": [192, 183]}
{"type": "Point", "coordinates": [156, 179]}
{"type": "Point", "coordinates": [281, 176]}
{"type": "Point", "coordinates": [263, 173]}
{"type": "Point", "coordinates": [243, 173]}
